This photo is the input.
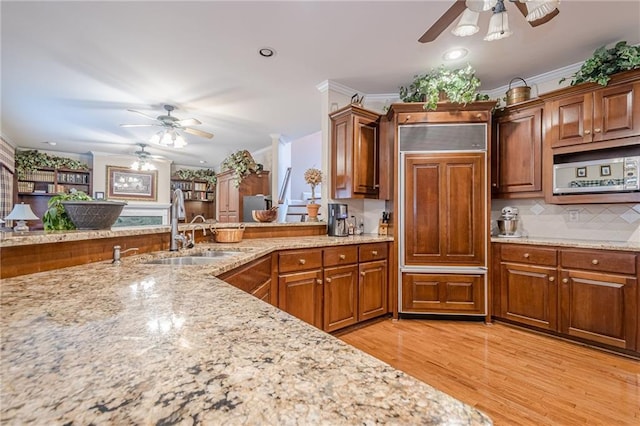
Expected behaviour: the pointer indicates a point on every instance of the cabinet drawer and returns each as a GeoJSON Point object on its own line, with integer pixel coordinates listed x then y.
{"type": "Point", "coordinates": [443, 117]}
{"type": "Point", "coordinates": [599, 260]}
{"type": "Point", "coordinates": [300, 260]}
{"type": "Point", "coordinates": [369, 252]}
{"type": "Point", "coordinates": [528, 254]}
{"type": "Point", "coordinates": [343, 255]}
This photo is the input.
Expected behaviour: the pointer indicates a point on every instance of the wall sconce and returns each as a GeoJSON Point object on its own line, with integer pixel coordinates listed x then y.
{"type": "Point", "coordinates": [21, 212]}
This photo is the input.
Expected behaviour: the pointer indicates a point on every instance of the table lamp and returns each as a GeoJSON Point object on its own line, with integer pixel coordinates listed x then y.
{"type": "Point", "coordinates": [21, 212]}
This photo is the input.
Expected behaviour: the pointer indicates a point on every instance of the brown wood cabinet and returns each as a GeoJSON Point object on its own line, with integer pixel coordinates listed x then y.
{"type": "Point", "coordinates": [300, 284]}
{"type": "Point", "coordinates": [229, 199]}
{"type": "Point", "coordinates": [596, 116]}
{"type": "Point", "coordinates": [355, 153]}
{"type": "Point", "coordinates": [443, 293]}
{"type": "Point", "coordinates": [373, 281]}
{"type": "Point", "coordinates": [445, 209]}
{"type": "Point", "coordinates": [340, 287]}
{"type": "Point", "coordinates": [199, 197]}
{"type": "Point", "coordinates": [590, 295]}
{"type": "Point", "coordinates": [257, 278]}
{"type": "Point", "coordinates": [516, 170]}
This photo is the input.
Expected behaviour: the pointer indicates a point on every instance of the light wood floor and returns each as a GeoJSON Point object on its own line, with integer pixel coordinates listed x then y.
{"type": "Point", "coordinates": [515, 376]}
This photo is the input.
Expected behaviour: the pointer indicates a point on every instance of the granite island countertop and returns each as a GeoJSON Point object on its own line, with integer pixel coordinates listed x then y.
{"type": "Point", "coordinates": [572, 243]}
{"type": "Point", "coordinates": [157, 344]}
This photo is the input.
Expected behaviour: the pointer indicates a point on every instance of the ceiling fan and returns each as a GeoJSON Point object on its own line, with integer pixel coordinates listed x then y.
{"type": "Point", "coordinates": [536, 12]}
{"type": "Point", "coordinates": [170, 135]}
{"type": "Point", "coordinates": [143, 159]}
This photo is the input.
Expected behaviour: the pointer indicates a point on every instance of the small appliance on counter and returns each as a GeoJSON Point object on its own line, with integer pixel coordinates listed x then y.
{"type": "Point", "coordinates": [337, 225]}
{"type": "Point", "coordinates": [508, 223]}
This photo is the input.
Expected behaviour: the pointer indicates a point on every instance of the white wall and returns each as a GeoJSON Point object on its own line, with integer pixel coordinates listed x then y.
{"type": "Point", "coordinates": [306, 152]}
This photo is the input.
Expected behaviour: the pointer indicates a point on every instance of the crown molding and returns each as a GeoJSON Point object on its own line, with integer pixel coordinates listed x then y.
{"type": "Point", "coordinates": [335, 87]}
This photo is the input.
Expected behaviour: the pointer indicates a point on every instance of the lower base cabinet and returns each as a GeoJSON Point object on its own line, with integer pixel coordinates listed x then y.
{"type": "Point", "coordinates": [443, 293]}
{"type": "Point", "coordinates": [591, 295]}
{"type": "Point", "coordinates": [257, 278]}
{"type": "Point", "coordinates": [372, 290]}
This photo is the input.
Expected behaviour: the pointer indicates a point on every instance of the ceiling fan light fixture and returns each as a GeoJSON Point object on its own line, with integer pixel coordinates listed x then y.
{"type": "Point", "coordinates": [468, 24]}
{"type": "Point", "coordinates": [142, 165]}
{"type": "Point", "coordinates": [480, 5]}
{"type": "Point", "coordinates": [540, 8]}
{"type": "Point", "coordinates": [498, 24]}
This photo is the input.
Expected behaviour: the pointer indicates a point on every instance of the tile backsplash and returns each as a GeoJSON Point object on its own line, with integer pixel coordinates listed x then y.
{"type": "Point", "coordinates": [610, 222]}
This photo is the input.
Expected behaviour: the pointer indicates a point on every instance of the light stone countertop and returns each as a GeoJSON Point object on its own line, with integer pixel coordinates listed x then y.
{"type": "Point", "coordinates": [563, 242]}
{"type": "Point", "coordinates": [157, 344]}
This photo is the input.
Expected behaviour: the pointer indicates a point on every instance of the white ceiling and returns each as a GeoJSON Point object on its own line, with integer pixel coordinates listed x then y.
{"type": "Point", "coordinates": [70, 70]}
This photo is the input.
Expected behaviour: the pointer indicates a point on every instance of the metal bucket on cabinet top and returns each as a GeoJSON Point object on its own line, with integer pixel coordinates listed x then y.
{"type": "Point", "coordinates": [518, 94]}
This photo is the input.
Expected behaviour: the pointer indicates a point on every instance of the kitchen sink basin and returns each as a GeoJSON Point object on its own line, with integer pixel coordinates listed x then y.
{"type": "Point", "coordinates": [217, 253]}
{"type": "Point", "coordinates": [202, 258]}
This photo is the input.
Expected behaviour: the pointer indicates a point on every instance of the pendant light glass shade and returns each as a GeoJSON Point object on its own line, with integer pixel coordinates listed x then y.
{"type": "Point", "coordinates": [169, 137]}
{"type": "Point", "coordinates": [480, 5]}
{"type": "Point", "coordinates": [498, 27]}
{"type": "Point", "coordinates": [540, 8]}
{"type": "Point", "coordinates": [468, 24]}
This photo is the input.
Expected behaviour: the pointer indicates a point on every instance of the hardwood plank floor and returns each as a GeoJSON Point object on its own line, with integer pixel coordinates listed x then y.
{"type": "Point", "coordinates": [515, 376]}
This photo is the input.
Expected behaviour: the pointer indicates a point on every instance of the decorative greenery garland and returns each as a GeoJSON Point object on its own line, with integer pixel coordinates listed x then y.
{"type": "Point", "coordinates": [605, 62]}
{"type": "Point", "coordinates": [29, 161]}
{"type": "Point", "coordinates": [242, 163]}
{"type": "Point", "coordinates": [208, 175]}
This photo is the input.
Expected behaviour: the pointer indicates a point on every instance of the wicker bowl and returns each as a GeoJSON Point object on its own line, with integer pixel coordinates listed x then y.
{"type": "Point", "coordinates": [264, 215]}
{"type": "Point", "coordinates": [229, 235]}
{"type": "Point", "coordinates": [93, 214]}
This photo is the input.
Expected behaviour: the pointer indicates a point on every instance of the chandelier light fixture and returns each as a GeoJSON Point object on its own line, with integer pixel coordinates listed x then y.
{"type": "Point", "coordinates": [142, 163]}
{"type": "Point", "coordinates": [169, 137]}
{"type": "Point", "coordinates": [499, 22]}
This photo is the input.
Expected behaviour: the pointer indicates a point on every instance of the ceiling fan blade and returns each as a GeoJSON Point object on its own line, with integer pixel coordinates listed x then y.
{"type": "Point", "coordinates": [198, 133]}
{"type": "Point", "coordinates": [522, 7]}
{"type": "Point", "coordinates": [138, 125]}
{"type": "Point", "coordinates": [445, 20]}
{"type": "Point", "coordinates": [142, 114]}
{"type": "Point", "coordinates": [188, 122]}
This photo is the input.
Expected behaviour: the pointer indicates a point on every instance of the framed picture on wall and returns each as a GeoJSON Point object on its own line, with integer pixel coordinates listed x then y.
{"type": "Point", "coordinates": [126, 184]}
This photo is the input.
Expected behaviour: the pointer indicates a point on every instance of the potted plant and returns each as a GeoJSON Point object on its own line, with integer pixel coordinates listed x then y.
{"type": "Point", "coordinates": [242, 163]}
{"type": "Point", "coordinates": [455, 85]}
{"type": "Point", "coordinates": [606, 62]}
{"type": "Point", "coordinates": [313, 177]}
{"type": "Point", "coordinates": [77, 210]}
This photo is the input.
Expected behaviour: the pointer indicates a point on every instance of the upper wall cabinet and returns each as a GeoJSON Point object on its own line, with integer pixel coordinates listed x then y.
{"type": "Point", "coordinates": [355, 153]}
{"type": "Point", "coordinates": [595, 113]}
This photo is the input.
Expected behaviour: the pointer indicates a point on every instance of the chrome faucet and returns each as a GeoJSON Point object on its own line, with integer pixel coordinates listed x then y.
{"type": "Point", "coordinates": [198, 217]}
{"type": "Point", "coordinates": [117, 252]}
{"type": "Point", "coordinates": [177, 212]}
{"type": "Point", "coordinates": [193, 231]}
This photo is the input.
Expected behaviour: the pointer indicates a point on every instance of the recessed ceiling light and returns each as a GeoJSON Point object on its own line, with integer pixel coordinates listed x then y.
{"type": "Point", "coordinates": [203, 162]}
{"type": "Point", "coordinates": [50, 143]}
{"type": "Point", "coordinates": [455, 54]}
{"type": "Point", "coordinates": [267, 52]}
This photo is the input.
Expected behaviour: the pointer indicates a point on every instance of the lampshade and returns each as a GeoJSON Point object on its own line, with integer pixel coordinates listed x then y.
{"type": "Point", "coordinates": [21, 212]}
{"type": "Point", "coordinates": [480, 5]}
{"type": "Point", "coordinates": [142, 165]}
{"type": "Point", "coordinates": [498, 24]}
{"type": "Point", "coordinates": [539, 8]}
{"type": "Point", "coordinates": [169, 137]}
{"type": "Point", "coordinates": [468, 24]}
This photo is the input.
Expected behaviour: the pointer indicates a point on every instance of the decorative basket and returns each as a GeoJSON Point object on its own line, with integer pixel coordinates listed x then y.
{"type": "Point", "coordinates": [518, 94]}
{"type": "Point", "coordinates": [93, 214]}
{"type": "Point", "coordinates": [229, 235]}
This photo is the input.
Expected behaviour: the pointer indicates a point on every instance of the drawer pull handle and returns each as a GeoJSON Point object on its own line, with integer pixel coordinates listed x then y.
{"type": "Point", "coordinates": [319, 281]}
{"type": "Point", "coordinates": [302, 261]}
{"type": "Point", "coordinates": [595, 261]}
{"type": "Point", "coordinates": [343, 257]}
{"type": "Point", "coordinates": [526, 255]}
{"type": "Point", "coordinates": [374, 252]}
{"type": "Point", "coordinates": [328, 279]}
{"type": "Point", "coordinates": [552, 279]}
{"type": "Point", "coordinates": [565, 280]}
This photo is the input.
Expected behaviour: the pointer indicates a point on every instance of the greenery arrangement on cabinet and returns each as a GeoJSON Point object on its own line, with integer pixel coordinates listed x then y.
{"type": "Point", "coordinates": [606, 62]}
{"type": "Point", "coordinates": [208, 175]}
{"type": "Point", "coordinates": [56, 218]}
{"type": "Point", "coordinates": [242, 164]}
{"type": "Point", "coordinates": [32, 160]}
{"type": "Point", "coordinates": [457, 85]}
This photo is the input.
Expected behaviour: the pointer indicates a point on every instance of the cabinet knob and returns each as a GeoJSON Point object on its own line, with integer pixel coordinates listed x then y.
{"type": "Point", "coordinates": [328, 279]}
{"type": "Point", "coordinates": [374, 252]}
{"type": "Point", "coordinates": [595, 261]}
{"type": "Point", "coordinates": [478, 115]}
{"type": "Point", "coordinates": [318, 281]}
{"type": "Point", "coordinates": [597, 130]}
{"type": "Point", "coordinates": [302, 261]}
{"type": "Point", "coordinates": [343, 257]}
{"type": "Point", "coordinates": [565, 280]}
{"type": "Point", "coordinates": [552, 279]}
{"type": "Point", "coordinates": [526, 255]}
{"type": "Point", "coordinates": [408, 118]}
{"type": "Point", "coordinates": [587, 132]}
{"type": "Point", "coordinates": [363, 273]}
{"type": "Point", "coordinates": [495, 185]}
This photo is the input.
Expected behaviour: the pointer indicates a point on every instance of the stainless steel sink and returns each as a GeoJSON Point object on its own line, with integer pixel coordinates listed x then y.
{"type": "Point", "coordinates": [217, 253]}
{"type": "Point", "coordinates": [202, 258]}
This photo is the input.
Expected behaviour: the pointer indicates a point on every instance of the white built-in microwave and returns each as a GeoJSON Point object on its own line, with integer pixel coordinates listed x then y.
{"type": "Point", "coordinates": [607, 175]}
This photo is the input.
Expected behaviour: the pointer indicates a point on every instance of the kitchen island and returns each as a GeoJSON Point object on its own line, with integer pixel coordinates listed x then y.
{"type": "Point", "coordinates": [159, 344]}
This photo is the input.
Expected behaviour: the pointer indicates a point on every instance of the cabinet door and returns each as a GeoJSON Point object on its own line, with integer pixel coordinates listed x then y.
{"type": "Point", "coordinates": [599, 307]}
{"type": "Point", "coordinates": [518, 153]}
{"type": "Point", "coordinates": [300, 294]}
{"type": "Point", "coordinates": [365, 156]}
{"type": "Point", "coordinates": [340, 297]}
{"type": "Point", "coordinates": [254, 278]}
{"type": "Point", "coordinates": [372, 290]}
{"type": "Point", "coordinates": [444, 209]}
{"type": "Point", "coordinates": [443, 293]}
{"type": "Point", "coordinates": [616, 112]}
{"type": "Point", "coordinates": [571, 120]}
{"type": "Point", "coordinates": [529, 295]}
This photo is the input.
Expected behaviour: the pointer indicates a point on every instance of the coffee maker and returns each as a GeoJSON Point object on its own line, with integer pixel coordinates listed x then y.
{"type": "Point", "coordinates": [337, 222]}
